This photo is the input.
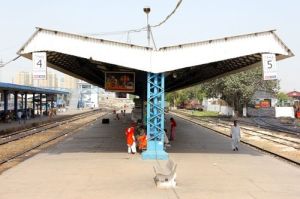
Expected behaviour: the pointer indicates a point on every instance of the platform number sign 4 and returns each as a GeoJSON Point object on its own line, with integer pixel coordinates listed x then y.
{"type": "Point", "coordinates": [269, 66]}
{"type": "Point", "coordinates": [39, 70]}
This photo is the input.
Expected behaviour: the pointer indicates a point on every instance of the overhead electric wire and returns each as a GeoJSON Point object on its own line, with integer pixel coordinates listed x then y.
{"type": "Point", "coordinates": [119, 32]}
{"type": "Point", "coordinates": [139, 29]}
{"type": "Point", "coordinates": [168, 17]}
{"type": "Point", "coordinates": [14, 59]}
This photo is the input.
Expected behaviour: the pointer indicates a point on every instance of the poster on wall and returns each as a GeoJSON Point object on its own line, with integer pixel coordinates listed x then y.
{"type": "Point", "coordinates": [120, 81]}
{"type": "Point", "coordinates": [269, 66]}
{"type": "Point", "coordinates": [39, 67]}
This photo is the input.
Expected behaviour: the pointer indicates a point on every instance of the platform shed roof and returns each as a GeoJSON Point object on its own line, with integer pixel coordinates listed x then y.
{"type": "Point", "coordinates": [89, 58]}
{"type": "Point", "coordinates": [28, 89]}
{"type": "Point", "coordinates": [294, 94]}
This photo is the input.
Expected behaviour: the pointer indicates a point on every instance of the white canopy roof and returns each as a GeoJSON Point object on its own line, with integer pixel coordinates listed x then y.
{"type": "Point", "coordinates": [156, 61]}
{"type": "Point", "coordinates": [89, 58]}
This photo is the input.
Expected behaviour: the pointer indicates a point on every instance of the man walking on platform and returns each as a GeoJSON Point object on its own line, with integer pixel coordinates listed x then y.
{"type": "Point", "coordinates": [235, 136]}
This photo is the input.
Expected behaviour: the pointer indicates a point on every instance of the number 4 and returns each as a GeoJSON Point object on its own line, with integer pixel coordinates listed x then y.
{"type": "Point", "coordinates": [39, 63]}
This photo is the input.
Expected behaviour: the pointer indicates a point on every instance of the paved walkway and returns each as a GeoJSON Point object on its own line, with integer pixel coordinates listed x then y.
{"type": "Point", "coordinates": [94, 164]}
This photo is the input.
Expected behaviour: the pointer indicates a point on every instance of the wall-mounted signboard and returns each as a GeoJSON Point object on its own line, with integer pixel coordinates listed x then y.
{"type": "Point", "coordinates": [39, 68]}
{"type": "Point", "coordinates": [269, 66]}
{"type": "Point", "coordinates": [120, 81]}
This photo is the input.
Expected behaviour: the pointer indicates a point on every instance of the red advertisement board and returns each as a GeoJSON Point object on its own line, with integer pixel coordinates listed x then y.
{"type": "Point", "coordinates": [120, 81]}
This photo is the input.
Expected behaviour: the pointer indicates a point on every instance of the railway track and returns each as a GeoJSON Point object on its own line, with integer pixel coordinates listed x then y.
{"type": "Point", "coordinates": [278, 143]}
{"type": "Point", "coordinates": [17, 144]}
{"type": "Point", "coordinates": [4, 139]}
{"type": "Point", "coordinates": [267, 135]}
{"type": "Point", "coordinates": [264, 124]}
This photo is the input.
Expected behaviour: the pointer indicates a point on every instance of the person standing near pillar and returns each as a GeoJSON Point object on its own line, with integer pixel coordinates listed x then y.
{"type": "Point", "coordinates": [130, 139]}
{"type": "Point", "coordinates": [172, 131]}
{"type": "Point", "coordinates": [235, 136]}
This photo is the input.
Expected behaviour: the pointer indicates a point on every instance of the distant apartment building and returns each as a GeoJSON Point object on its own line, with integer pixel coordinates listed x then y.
{"type": "Point", "coordinates": [68, 82]}
{"type": "Point", "coordinates": [23, 78]}
{"type": "Point", "coordinates": [50, 82]}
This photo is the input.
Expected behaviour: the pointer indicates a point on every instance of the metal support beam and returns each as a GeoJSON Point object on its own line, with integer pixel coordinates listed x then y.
{"type": "Point", "coordinates": [52, 101]}
{"type": "Point", "coordinates": [5, 95]}
{"type": "Point", "coordinates": [25, 110]}
{"type": "Point", "coordinates": [16, 105]}
{"type": "Point", "coordinates": [33, 104]}
{"type": "Point", "coordinates": [155, 117]}
{"type": "Point", "coordinates": [22, 101]}
{"type": "Point", "coordinates": [41, 104]}
{"type": "Point", "coordinates": [46, 104]}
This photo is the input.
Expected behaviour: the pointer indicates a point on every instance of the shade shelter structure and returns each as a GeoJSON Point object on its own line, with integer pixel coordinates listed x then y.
{"type": "Point", "coordinates": [24, 91]}
{"type": "Point", "coordinates": [156, 70]}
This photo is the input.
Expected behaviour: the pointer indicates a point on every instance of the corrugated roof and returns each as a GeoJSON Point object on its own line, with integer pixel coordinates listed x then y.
{"type": "Point", "coordinates": [28, 89]}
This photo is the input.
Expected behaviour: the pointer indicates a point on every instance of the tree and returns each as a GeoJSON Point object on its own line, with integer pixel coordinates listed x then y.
{"type": "Point", "coordinates": [282, 97]}
{"type": "Point", "coordinates": [238, 89]}
{"type": "Point", "coordinates": [178, 97]}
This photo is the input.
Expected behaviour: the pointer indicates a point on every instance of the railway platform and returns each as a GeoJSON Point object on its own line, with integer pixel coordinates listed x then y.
{"type": "Point", "coordinates": [93, 163]}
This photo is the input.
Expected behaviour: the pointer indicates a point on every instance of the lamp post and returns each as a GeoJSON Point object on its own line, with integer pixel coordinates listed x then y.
{"type": "Point", "coordinates": [147, 11]}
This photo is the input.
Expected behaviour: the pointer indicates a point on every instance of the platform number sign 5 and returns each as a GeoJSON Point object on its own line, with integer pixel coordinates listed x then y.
{"type": "Point", "coordinates": [269, 66]}
{"type": "Point", "coordinates": [39, 70]}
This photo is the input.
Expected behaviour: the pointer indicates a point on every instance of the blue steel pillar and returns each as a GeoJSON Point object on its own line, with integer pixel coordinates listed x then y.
{"type": "Point", "coordinates": [155, 117]}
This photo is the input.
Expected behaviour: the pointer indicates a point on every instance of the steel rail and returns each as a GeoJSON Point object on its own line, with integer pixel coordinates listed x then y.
{"type": "Point", "coordinates": [31, 131]}
{"type": "Point", "coordinates": [278, 136]}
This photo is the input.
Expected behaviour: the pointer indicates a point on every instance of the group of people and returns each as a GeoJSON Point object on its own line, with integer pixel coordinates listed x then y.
{"type": "Point", "coordinates": [135, 141]}
{"type": "Point", "coordinates": [139, 140]}
{"type": "Point", "coordinates": [123, 113]}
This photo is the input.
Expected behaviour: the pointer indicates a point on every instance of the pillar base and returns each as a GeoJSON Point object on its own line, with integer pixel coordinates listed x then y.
{"type": "Point", "coordinates": [155, 151]}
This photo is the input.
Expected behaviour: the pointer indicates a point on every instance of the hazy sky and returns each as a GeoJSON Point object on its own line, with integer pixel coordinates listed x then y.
{"type": "Point", "coordinates": [194, 21]}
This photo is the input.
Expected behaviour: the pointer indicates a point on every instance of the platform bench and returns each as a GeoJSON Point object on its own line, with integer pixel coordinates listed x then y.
{"type": "Point", "coordinates": [166, 177]}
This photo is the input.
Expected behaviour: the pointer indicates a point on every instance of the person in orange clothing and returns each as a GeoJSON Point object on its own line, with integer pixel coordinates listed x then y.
{"type": "Point", "coordinates": [130, 139]}
{"type": "Point", "coordinates": [142, 141]}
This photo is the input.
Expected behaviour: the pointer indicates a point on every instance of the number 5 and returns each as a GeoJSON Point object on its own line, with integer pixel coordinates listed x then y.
{"type": "Point", "coordinates": [269, 62]}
